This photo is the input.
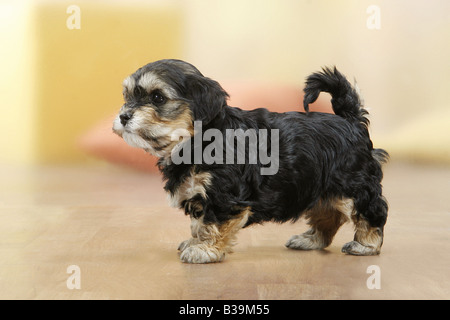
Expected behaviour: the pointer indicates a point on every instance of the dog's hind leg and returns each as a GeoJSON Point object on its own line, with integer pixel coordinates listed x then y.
{"type": "Point", "coordinates": [324, 219]}
{"type": "Point", "coordinates": [368, 229]}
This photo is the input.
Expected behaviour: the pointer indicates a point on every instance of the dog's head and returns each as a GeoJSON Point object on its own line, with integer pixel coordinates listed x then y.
{"type": "Point", "coordinates": [162, 97]}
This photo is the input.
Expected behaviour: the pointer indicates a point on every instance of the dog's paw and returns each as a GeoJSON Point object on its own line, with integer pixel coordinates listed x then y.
{"type": "Point", "coordinates": [357, 249]}
{"type": "Point", "coordinates": [303, 242]}
{"type": "Point", "coordinates": [201, 253]}
{"type": "Point", "coordinates": [187, 243]}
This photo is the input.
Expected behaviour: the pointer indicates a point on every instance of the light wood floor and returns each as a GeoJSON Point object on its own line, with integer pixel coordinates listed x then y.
{"type": "Point", "coordinates": [116, 227]}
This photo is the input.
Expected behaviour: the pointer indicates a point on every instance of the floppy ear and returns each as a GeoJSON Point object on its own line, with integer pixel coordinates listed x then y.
{"type": "Point", "coordinates": [208, 97]}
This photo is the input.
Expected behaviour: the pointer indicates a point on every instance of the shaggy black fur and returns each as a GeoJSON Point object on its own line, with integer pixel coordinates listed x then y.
{"type": "Point", "coordinates": [321, 156]}
{"type": "Point", "coordinates": [327, 166]}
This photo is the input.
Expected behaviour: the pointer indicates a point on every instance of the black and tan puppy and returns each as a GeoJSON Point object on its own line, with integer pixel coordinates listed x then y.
{"type": "Point", "coordinates": [316, 165]}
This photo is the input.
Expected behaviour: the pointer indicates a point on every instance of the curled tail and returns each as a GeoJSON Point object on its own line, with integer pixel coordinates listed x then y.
{"type": "Point", "coordinates": [345, 98]}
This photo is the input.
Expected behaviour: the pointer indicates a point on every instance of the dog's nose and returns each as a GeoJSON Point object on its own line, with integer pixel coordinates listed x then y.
{"type": "Point", "coordinates": [124, 118]}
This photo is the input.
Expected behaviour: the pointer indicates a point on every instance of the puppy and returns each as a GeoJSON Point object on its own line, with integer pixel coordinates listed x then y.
{"type": "Point", "coordinates": [325, 167]}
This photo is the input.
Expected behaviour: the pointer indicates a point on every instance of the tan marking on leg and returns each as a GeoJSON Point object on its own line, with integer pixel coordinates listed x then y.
{"type": "Point", "coordinates": [346, 206]}
{"type": "Point", "coordinates": [367, 240]}
{"type": "Point", "coordinates": [325, 219]}
{"type": "Point", "coordinates": [211, 242]}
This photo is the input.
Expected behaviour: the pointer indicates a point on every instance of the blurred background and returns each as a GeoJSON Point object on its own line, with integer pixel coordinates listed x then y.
{"type": "Point", "coordinates": [62, 64]}
{"type": "Point", "coordinates": [64, 201]}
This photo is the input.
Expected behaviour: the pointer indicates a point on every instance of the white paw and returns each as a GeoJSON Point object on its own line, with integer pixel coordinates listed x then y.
{"type": "Point", "coordinates": [187, 243]}
{"type": "Point", "coordinates": [357, 249]}
{"type": "Point", "coordinates": [304, 242]}
{"type": "Point", "coordinates": [201, 253]}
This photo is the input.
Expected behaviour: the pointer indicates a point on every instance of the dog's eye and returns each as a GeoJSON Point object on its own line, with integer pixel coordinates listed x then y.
{"type": "Point", "coordinates": [157, 98]}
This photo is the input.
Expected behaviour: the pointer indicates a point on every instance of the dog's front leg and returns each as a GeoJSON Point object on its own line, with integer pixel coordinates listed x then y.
{"type": "Point", "coordinates": [196, 224]}
{"type": "Point", "coordinates": [206, 244]}
{"type": "Point", "coordinates": [211, 242]}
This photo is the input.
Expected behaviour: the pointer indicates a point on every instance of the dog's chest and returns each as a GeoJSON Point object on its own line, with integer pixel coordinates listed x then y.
{"type": "Point", "coordinates": [194, 184]}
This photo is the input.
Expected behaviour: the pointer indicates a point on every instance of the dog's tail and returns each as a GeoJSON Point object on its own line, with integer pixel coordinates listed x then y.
{"type": "Point", "coordinates": [345, 101]}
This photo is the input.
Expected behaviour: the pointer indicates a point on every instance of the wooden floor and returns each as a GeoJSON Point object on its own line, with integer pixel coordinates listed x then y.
{"type": "Point", "coordinates": [116, 227]}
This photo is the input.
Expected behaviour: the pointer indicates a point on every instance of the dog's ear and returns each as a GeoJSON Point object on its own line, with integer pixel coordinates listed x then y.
{"type": "Point", "coordinates": [207, 96]}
